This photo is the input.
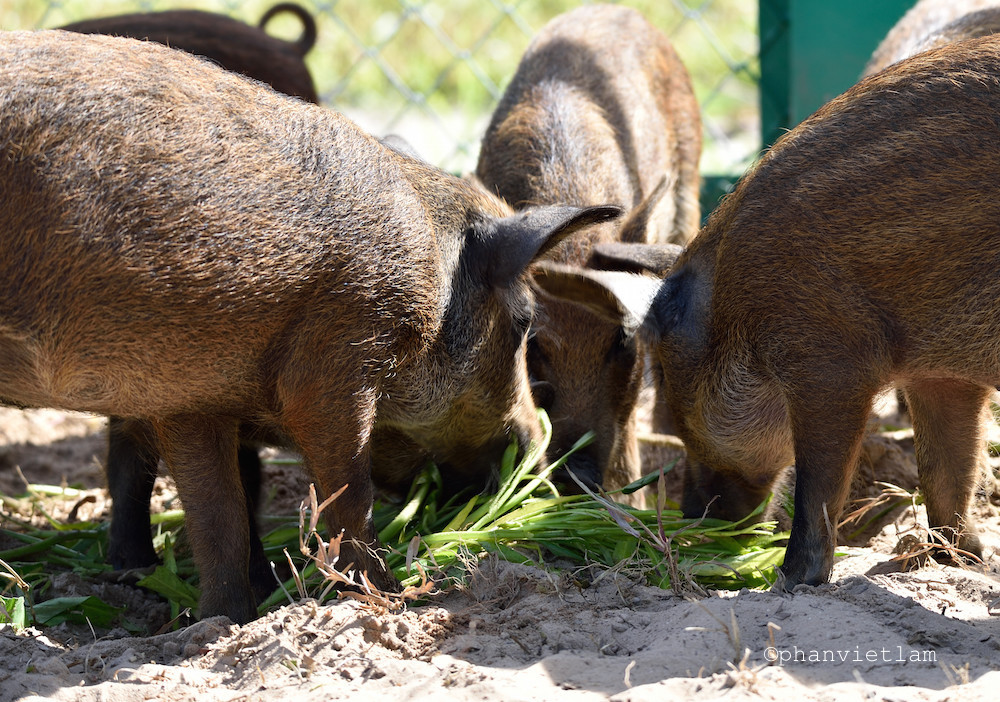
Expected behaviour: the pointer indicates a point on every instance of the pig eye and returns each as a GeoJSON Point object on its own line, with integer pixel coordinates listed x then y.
{"type": "Point", "coordinates": [623, 348]}
{"type": "Point", "coordinates": [543, 393]}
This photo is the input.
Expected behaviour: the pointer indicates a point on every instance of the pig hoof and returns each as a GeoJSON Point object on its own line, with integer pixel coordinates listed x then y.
{"type": "Point", "coordinates": [788, 583]}
{"type": "Point", "coordinates": [811, 570]}
{"type": "Point", "coordinates": [383, 579]}
{"type": "Point", "coordinates": [361, 558]}
{"type": "Point", "coordinates": [240, 610]}
{"type": "Point", "coordinates": [960, 547]}
{"type": "Point", "coordinates": [131, 554]}
{"type": "Point", "coordinates": [263, 586]}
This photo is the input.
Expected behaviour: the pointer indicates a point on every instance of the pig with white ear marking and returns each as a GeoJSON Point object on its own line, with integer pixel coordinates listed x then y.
{"type": "Point", "coordinates": [862, 251]}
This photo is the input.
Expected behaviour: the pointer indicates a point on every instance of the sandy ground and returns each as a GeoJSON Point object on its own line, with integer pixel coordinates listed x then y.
{"type": "Point", "coordinates": [520, 633]}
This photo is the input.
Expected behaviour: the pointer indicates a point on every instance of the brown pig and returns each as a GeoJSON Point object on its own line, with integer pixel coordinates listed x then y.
{"type": "Point", "coordinates": [132, 455]}
{"type": "Point", "coordinates": [863, 250]}
{"type": "Point", "coordinates": [232, 44]}
{"type": "Point", "coordinates": [601, 109]}
{"type": "Point", "coordinates": [928, 25]}
{"type": "Point", "coordinates": [196, 251]}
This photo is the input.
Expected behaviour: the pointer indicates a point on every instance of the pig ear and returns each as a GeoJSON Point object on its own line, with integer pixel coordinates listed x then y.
{"type": "Point", "coordinates": [634, 227]}
{"type": "Point", "coordinates": [518, 241]}
{"type": "Point", "coordinates": [621, 298]}
{"type": "Point", "coordinates": [634, 258]}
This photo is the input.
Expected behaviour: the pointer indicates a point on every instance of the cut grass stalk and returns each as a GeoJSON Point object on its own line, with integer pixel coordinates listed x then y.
{"type": "Point", "coordinates": [528, 514]}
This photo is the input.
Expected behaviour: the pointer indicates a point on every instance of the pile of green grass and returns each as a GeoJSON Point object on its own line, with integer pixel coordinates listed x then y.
{"type": "Point", "coordinates": [432, 541]}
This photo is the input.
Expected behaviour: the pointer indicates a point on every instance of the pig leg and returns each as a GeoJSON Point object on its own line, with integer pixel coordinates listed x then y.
{"type": "Point", "coordinates": [200, 452]}
{"type": "Point", "coordinates": [261, 578]}
{"type": "Point", "coordinates": [337, 452]}
{"type": "Point", "coordinates": [131, 470]}
{"type": "Point", "coordinates": [133, 459]}
{"type": "Point", "coordinates": [947, 420]}
{"type": "Point", "coordinates": [827, 448]}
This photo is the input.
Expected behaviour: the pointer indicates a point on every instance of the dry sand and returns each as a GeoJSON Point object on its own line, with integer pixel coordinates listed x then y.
{"type": "Point", "coordinates": [523, 633]}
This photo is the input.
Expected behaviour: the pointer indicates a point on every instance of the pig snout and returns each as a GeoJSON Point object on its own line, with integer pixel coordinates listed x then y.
{"type": "Point", "coordinates": [718, 495]}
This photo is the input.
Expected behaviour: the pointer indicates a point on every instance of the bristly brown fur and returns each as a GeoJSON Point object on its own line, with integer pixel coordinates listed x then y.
{"type": "Point", "coordinates": [854, 256]}
{"type": "Point", "coordinates": [191, 249]}
{"type": "Point", "coordinates": [133, 458]}
{"type": "Point", "coordinates": [862, 251]}
{"type": "Point", "coordinates": [600, 109]}
{"type": "Point", "coordinates": [235, 46]}
{"type": "Point", "coordinates": [933, 23]}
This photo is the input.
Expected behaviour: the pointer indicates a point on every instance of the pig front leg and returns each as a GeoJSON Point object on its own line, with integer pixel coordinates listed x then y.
{"type": "Point", "coordinates": [201, 453]}
{"type": "Point", "coordinates": [334, 437]}
{"type": "Point", "coordinates": [828, 428]}
{"type": "Point", "coordinates": [947, 418]}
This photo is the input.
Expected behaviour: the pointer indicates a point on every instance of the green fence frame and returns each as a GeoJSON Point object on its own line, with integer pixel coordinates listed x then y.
{"type": "Point", "coordinates": [810, 51]}
{"type": "Point", "coordinates": [813, 50]}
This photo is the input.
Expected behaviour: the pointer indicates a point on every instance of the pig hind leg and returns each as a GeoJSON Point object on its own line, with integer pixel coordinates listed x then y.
{"type": "Point", "coordinates": [131, 471]}
{"type": "Point", "coordinates": [261, 578]}
{"type": "Point", "coordinates": [201, 453]}
{"type": "Point", "coordinates": [947, 418]}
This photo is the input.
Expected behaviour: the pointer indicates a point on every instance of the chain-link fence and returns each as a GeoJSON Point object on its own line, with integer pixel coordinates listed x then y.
{"type": "Point", "coordinates": [432, 70]}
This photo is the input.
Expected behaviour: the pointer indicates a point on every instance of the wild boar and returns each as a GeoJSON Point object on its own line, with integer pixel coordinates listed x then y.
{"type": "Point", "coordinates": [930, 23]}
{"type": "Point", "coordinates": [232, 44]}
{"type": "Point", "coordinates": [860, 252]}
{"type": "Point", "coordinates": [195, 251]}
{"type": "Point", "coordinates": [601, 109]}
{"type": "Point", "coordinates": [133, 458]}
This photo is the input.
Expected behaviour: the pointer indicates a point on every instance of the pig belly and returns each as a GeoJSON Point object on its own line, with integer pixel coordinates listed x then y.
{"type": "Point", "coordinates": [89, 379]}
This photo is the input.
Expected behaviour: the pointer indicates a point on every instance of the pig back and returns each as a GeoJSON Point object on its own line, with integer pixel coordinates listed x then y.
{"type": "Point", "coordinates": [232, 44]}
{"type": "Point", "coordinates": [155, 207]}
{"type": "Point", "coordinates": [922, 25]}
{"type": "Point", "coordinates": [600, 110]}
{"type": "Point", "coordinates": [877, 221]}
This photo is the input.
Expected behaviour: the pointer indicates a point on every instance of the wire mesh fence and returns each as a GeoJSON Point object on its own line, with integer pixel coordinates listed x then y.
{"type": "Point", "coordinates": [432, 70]}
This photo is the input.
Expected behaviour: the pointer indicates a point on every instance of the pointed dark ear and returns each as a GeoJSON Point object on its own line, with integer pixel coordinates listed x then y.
{"type": "Point", "coordinates": [634, 227]}
{"type": "Point", "coordinates": [621, 298]}
{"type": "Point", "coordinates": [634, 258]}
{"type": "Point", "coordinates": [515, 242]}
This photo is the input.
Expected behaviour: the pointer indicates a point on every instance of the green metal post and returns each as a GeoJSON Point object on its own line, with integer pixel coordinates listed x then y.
{"type": "Point", "coordinates": [813, 50]}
